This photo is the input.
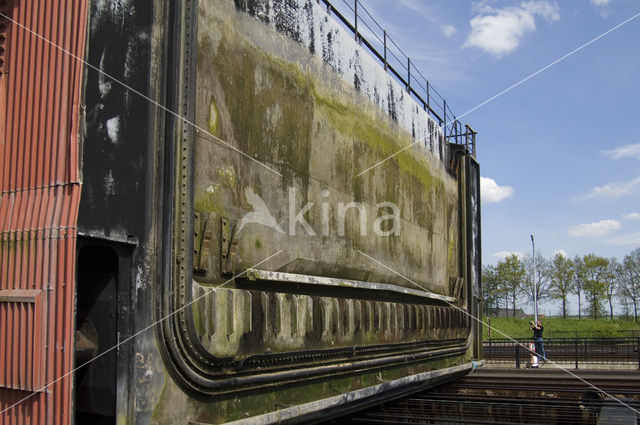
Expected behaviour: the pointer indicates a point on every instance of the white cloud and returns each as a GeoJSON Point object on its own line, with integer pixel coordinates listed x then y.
{"type": "Point", "coordinates": [561, 252]}
{"type": "Point", "coordinates": [449, 30]}
{"type": "Point", "coordinates": [504, 254]}
{"type": "Point", "coordinates": [602, 7]}
{"type": "Point", "coordinates": [629, 239]}
{"type": "Point", "coordinates": [631, 216]}
{"type": "Point", "coordinates": [626, 151]}
{"type": "Point", "coordinates": [499, 31]}
{"type": "Point", "coordinates": [598, 228]}
{"type": "Point", "coordinates": [491, 192]}
{"type": "Point", "coordinates": [615, 190]}
{"type": "Point", "coordinates": [612, 190]}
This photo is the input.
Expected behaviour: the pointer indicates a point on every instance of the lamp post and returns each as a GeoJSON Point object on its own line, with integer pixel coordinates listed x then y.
{"type": "Point", "coordinates": [535, 284]}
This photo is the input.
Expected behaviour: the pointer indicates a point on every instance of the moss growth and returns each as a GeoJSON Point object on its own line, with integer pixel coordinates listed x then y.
{"type": "Point", "coordinates": [352, 120]}
{"type": "Point", "coordinates": [213, 117]}
{"type": "Point", "coordinates": [172, 400]}
{"type": "Point", "coordinates": [271, 110]}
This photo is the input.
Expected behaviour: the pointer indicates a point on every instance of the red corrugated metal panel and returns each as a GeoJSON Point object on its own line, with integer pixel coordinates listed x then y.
{"type": "Point", "coordinates": [23, 306]}
{"type": "Point", "coordinates": [39, 198]}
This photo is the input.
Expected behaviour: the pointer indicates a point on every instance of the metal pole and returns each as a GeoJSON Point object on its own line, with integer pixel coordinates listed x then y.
{"type": "Point", "coordinates": [517, 355]}
{"type": "Point", "coordinates": [575, 343]}
{"type": "Point", "coordinates": [385, 49]}
{"type": "Point", "coordinates": [408, 74]}
{"type": "Point", "coordinates": [428, 105]}
{"type": "Point", "coordinates": [535, 284]}
{"type": "Point", "coordinates": [445, 119]}
{"type": "Point", "coordinates": [356, 21]}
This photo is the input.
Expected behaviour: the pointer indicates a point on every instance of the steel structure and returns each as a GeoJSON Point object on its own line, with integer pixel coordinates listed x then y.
{"type": "Point", "coordinates": [40, 184]}
{"type": "Point", "coordinates": [122, 292]}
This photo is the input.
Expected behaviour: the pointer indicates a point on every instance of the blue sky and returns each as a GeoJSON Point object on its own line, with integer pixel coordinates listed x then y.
{"type": "Point", "coordinates": [560, 153]}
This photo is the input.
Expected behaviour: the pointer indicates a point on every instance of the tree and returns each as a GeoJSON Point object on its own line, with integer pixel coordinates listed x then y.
{"type": "Point", "coordinates": [511, 276]}
{"type": "Point", "coordinates": [491, 289]}
{"type": "Point", "coordinates": [542, 276]}
{"type": "Point", "coordinates": [630, 280]}
{"type": "Point", "coordinates": [562, 280]}
{"type": "Point", "coordinates": [595, 270]}
{"type": "Point", "coordinates": [578, 266]}
{"type": "Point", "coordinates": [611, 277]}
{"type": "Point", "coordinates": [625, 302]}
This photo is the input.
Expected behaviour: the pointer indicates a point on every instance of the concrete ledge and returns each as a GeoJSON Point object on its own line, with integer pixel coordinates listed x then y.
{"type": "Point", "coordinates": [269, 276]}
{"type": "Point", "coordinates": [355, 400]}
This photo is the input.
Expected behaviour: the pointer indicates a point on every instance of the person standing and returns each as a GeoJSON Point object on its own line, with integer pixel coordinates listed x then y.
{"type": "Point", "coordinates": [537, 329]}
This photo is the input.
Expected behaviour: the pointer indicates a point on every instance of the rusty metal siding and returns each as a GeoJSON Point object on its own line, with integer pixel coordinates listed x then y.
{"type": "Point", "coordinates": [27, 346]}
{"type": "Point", "coordinates": [39, 198]}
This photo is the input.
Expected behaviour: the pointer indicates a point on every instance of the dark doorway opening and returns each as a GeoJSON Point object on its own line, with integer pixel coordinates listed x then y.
{"type": "Point", "coordinates": [96, 333]}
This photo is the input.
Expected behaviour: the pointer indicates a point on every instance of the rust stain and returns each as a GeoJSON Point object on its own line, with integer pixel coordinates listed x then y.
{"type": "Point", "coordinates": [39, 197]}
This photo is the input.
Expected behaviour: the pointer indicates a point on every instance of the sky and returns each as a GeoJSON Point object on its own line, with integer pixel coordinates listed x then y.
{"type": "Point", "coordinates": [559, 154]}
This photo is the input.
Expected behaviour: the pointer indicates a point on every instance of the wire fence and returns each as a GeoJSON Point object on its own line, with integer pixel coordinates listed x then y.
{"type": "Point", "coordinates": [370, 34]}
{"type": "Point", "coordinates": [585, 350]}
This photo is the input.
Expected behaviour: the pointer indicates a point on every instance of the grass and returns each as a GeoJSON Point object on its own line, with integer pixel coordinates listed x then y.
{"type": "Point", "coordinates": [556, 326]}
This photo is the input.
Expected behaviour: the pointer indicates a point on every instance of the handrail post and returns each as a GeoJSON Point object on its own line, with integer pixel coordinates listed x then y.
{"type": "Point", "coordinates": [428, 104]}
{"type": "Point", "coordinates": [517, 355]}
{"type": "Point", "coordinates": [455, 129]}
{"type": "Point", "coordinates": [466, 137]}
{"type": "Point", "coordinates": [575, 347]}
{"type": "Point", "coordinates": [355, 10]}
{"type": "Point", "coordinates": [385, 49]}
{"type": "Point", "coordinates": [445, 118]}
{"type": "Point", "coordinates": [408, 74]}
{"type": "Point", "coordinates": [490, 350]}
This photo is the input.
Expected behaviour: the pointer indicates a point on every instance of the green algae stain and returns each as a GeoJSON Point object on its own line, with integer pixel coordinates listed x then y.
{"type": "Point", "coordinates": [212, 121]}
{"type": "Point", "coordinates": [271, 111]}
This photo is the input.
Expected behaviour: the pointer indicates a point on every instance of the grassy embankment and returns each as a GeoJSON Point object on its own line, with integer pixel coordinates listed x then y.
{"type": "Point", "coordinates": [519, 328]}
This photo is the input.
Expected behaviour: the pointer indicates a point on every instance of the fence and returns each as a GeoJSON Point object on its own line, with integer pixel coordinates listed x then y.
{"type": "Point", "coordinates": [372, 36]}
{"type": "Point", "coordinates": [606, 350]}
{"type": "Point", "coordinates": [630, 333]}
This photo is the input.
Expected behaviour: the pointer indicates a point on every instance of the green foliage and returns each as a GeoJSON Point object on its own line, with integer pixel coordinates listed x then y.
{"type": "Point", "coordinates": [511, 275]}
{"type": "Point", "coordinates": [595, 271]}
{"type": "Point", "coordinates": [491, 289]}
{"type": "Point", "coordinates": [519, 328]}
{"type": "Point", "coordinates": [629, 282]}
{"type": "Point", "coordinates": [562, 280]}
{"type": "Point", "coordinates": [595, 279]}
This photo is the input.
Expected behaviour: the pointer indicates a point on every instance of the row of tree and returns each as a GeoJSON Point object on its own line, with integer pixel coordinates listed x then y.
{"type": "Point", "coordinates": [597, 280]}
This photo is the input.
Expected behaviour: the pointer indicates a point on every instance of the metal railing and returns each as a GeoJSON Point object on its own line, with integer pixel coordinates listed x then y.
{"type": "Point", "coordinates": [368, 33]}
{"type": "Point", "coordinates": [593, 333]}
{"type": "Point", "coordinates": [605, 350]}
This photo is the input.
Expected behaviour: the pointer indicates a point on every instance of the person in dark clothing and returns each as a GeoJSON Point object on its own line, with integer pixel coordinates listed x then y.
{"type": "Point", "coordinates": [537, 329]}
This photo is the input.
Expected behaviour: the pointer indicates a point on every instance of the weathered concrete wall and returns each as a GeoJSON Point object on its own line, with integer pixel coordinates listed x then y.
{"type": "Point", "coordinates": [289, 111]}
{"type": "Point", "coordinates": [293, 91]}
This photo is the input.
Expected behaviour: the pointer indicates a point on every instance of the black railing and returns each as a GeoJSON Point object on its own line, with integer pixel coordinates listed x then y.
{"type": "Point", "coordinates": [371, 35]}
{"type": "Point", "coordinates": [631, 333]}
{"type": "Point", "coordinates": [604, 350]}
